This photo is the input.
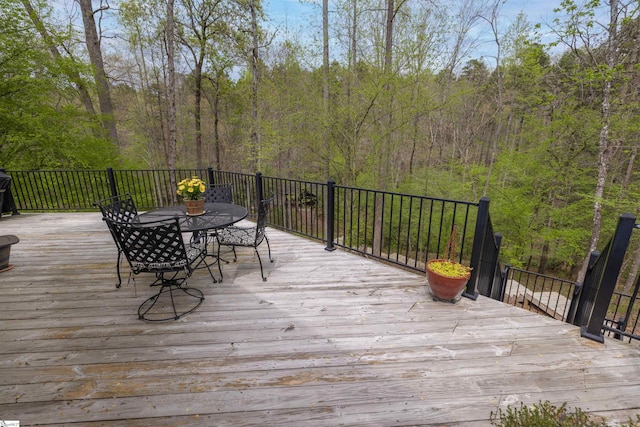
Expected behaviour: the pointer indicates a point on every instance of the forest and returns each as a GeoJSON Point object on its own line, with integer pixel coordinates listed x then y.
{"type": "Point", "coordinates": [384, 94]}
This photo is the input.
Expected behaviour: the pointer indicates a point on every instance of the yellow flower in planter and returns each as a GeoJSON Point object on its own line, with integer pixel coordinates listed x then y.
{"type": "Point", "coordinates": [191, 188]}
{"type": "Point", "coordinates": [449, 268]}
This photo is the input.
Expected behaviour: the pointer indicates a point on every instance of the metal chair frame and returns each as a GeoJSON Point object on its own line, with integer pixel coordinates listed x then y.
{"type": "Point", "coordinates": [217, 193]}
{"type": "Point", "coordinates": [158, 247]}
{"type": "Point", "coordinates": [251, 237]}
{"type": "Point", "coordinates": [120, 208]}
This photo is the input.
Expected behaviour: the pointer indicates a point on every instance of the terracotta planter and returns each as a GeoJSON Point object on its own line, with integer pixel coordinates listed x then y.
{"type": "Point", "coordinates": [443, 287]}
{"type": "Point", "coordinates": [194, 207]}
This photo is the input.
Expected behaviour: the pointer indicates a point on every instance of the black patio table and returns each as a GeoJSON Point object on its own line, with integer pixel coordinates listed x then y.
{"type": "Point", "coordinates": [216, 215]}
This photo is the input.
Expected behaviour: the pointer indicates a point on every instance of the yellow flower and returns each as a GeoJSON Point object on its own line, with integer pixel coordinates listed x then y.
{"type": "Point", "coordinates": [191, 188]}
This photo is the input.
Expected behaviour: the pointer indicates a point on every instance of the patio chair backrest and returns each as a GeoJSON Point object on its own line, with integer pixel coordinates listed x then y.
{"type": "Point", "coordinates": [120, 208]}
{"type": "Point", "coordinates": [154, 246]}
{"type": "Point", "coordinates": [218, 193]}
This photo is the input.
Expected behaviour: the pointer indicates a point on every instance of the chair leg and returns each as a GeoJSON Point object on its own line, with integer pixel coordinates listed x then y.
{"type": "Point", "coordinates": [119, 284]}
{"type": "Point", "coordinates": [264, 279]}
{"type": "Point", "coordinates": [214, 241]}
{"type": "Point", "coordinates": [203, 257]}
{"type": "Point", "coordinates": [268, 247]}
{"type": "Point", "coordinates": [168, 286]}
{"type": "Point", "coordinates": [203, 260]}
{"type": "Point", "coordinates": [219, 263]}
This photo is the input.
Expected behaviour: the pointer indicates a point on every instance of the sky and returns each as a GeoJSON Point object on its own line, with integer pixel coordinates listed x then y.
{"type": "Point", "coordinates": [301, 20]}
{"type": "Point", "coordinates": [293, 11]}
{"type": "Point", "coordinates": [294, 16]}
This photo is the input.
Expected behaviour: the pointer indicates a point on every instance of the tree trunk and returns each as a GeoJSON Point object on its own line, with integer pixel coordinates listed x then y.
{"type": "Point", "coordinates": [544, 257]}
{"type": "Point", "coordinates": [494, 147]}
{"type": "Point", "coordinates": [630, 168]}
{"type": "Point", "coordinates": [384, 169]}
{"type": "Point", "coordinates": [197, 106]}
{"type": "Point", "coordinates": [633, 273]}
{"type": "Point", "coordinates": [255, 117]}
{"type": "Point", "coordinates": [214, 103]}
{"type": "Point", "coordinates": [325, 86]}
{"type": "Point", "coordinates": [216, 126]}
{"type": "Point", "coordinates": [171, 93]}
{"type": "Point", "coordinates": [73, 74]}
{"type": "Point", "coordinates": [605, 152]}
{"type": "Point", "coordinates": [102, 83]}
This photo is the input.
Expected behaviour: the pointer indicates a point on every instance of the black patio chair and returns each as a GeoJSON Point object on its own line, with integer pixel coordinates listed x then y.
{"type": "Point", "coordinates": [120, 208]}
{"type": "Point", "coordinates": [234, 236]}
{"type": "Point", "coordinates": [217, 193]}
{"type": "Point", "coordinates": [158, 248]}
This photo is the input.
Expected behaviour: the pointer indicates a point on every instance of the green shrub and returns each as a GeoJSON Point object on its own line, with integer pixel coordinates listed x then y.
{"type": "Point", "coordinates": [544, 414]}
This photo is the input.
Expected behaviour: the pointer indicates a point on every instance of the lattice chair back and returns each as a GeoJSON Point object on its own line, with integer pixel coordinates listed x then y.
{"type": "Point", "coordinates": [120, 208]}
{"type": "Point", "coordinates": [221, 193]}
{"type": "Point", "coordinates": [154, 247]}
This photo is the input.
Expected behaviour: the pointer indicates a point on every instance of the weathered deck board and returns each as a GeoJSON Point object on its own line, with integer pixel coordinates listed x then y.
{"type": "Point", "coordinates": [330, 339]}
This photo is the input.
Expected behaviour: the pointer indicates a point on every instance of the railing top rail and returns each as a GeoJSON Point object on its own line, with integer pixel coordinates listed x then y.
{"type": "Point", "coordinates": [395, 193]}
{"type": "Point", "coordinates": [544, 276]}
{"type": "Point", "coordinates": [294, 180]}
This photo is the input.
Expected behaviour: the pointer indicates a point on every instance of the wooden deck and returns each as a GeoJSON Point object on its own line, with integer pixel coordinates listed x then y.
{"type": "Point", "coordinates": [330, 339]}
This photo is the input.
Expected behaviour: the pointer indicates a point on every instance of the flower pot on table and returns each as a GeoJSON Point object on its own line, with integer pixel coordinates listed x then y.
{"type": "Point", "coordinates": [194, 207]}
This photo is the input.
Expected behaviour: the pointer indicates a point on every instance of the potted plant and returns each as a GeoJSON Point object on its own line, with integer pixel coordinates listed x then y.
{"type": "Point", "coordinates": [447, 277]}
{"type": "Point", "coordinates": [191, 190]}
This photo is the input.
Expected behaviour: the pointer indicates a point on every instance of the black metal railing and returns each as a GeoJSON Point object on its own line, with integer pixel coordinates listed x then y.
{"type": "Point", "coordinates": [539, 293]}
{"type": "Point", "coordinates": [489, 274]}
{"type": "Point", "coordinates": [622, 320]}
{"type": "Point", "coordinates": [299, 206]}
{"type": "Point", "coordinates": [243, 186]}
{"type": "Point", "coordinates": [58, 190]}
{"type": "Point", "coordinates": [76, 190]}
{"type": "Point", "coordinates": [600, 281]}
{"type": "Point", "coordinates": [402, 229]}
{"type": "Point", "coordinates": [596, 307]}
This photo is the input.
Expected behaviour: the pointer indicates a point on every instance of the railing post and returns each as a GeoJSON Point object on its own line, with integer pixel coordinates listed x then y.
{"type": "Point", "coordinates": [112, 182]}
{"type": "Point", "coordinates": [609, 277]}
{"type": "Point", "coordinates": [210, 175]}
{"type": "Point", "coordinates": [330, 215]}
{"type": "Point", "coordinates": [476, 250]}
